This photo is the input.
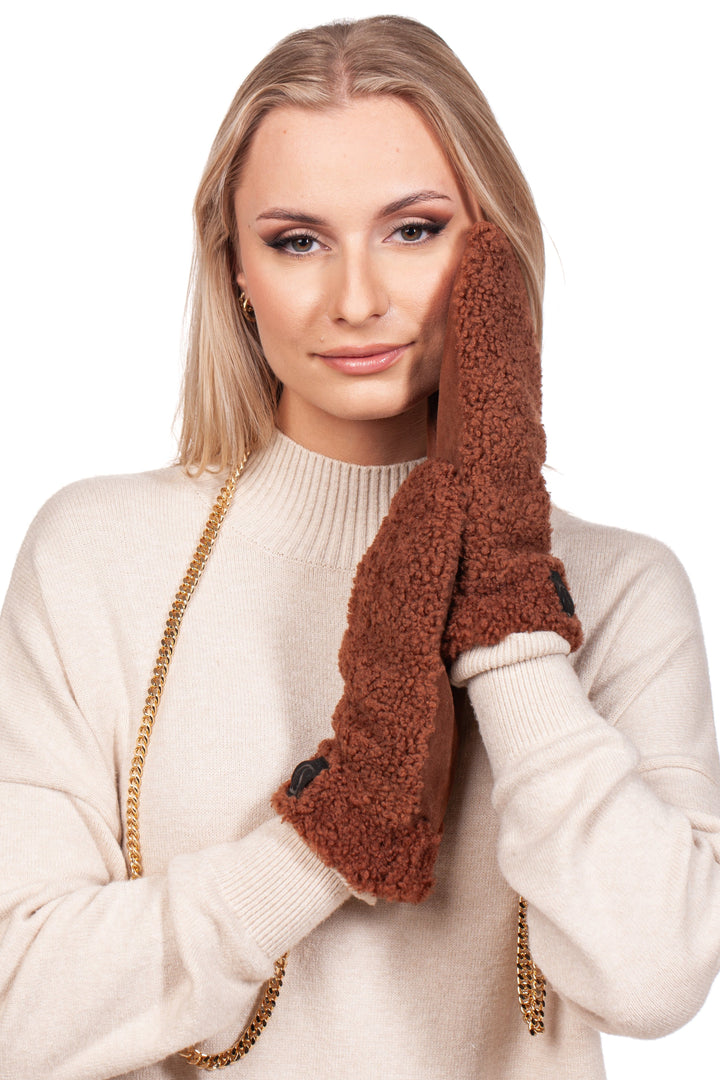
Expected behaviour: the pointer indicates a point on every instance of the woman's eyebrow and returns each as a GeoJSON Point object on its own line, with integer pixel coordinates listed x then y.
{"type": "Point", "coordinates": [410, 200]}
{"type": "Point", "coordinates": [281, 213]}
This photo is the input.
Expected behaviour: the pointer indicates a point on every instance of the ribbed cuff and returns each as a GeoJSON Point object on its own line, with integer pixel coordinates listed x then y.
{"type": "Point", "coordinates": [513, 650]}
{"type": "Point", "coordinates": [279, 889]}
{"type": "Point", "coordinates": [525, 705]}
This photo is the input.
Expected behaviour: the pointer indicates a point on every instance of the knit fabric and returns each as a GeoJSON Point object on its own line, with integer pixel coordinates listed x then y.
{"type": "Point", "coordinates": [587, 783]}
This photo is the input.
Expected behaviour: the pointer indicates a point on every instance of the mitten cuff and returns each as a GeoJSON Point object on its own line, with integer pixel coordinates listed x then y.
{"type": "Point", "coordinates": [512, 650]}
{"type": "Point", "coordinates": [375, 846]}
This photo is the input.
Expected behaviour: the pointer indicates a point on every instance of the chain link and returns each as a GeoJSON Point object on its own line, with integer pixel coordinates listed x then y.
{"type": "Point", "coordinates": [530, 979]}
{"type": "Point", "coordinates": [252, 1033]}
{"type": "Point", "coordinates": [247, 1039]}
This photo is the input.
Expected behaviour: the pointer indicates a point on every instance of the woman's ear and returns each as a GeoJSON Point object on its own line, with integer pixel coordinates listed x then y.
{"type": "Point", "coordinates": [240, 279]}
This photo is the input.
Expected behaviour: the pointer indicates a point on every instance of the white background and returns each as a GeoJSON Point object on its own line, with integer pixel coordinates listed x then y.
{"type": "Point", "coordinates": [108, 115]}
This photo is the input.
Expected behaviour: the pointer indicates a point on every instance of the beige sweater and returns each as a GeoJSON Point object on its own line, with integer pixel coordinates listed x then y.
{"type": "Point", "coordinates": [590, 785]}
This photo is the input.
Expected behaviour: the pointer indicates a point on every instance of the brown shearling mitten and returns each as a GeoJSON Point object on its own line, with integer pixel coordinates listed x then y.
{"type": "Point", "coordinates": [489, 427]}
{"type": "Point", "coordinates": [372, 800]}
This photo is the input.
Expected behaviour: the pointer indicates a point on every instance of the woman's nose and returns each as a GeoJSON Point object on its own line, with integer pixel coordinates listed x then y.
{"type": "Point", "coordinates": [359, 290]}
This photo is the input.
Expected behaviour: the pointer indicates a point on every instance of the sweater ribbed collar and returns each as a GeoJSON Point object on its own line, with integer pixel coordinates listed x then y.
{"type": "Point", "coordinates": [300, 505]}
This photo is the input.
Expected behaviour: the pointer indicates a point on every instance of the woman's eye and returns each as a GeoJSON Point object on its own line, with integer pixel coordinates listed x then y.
{"type": "Point", "coordinates": [411, 232]}
{"type": "Point", "coordinates": [416, 232]}
{"type": "Point", "coordinates": [297, 244]}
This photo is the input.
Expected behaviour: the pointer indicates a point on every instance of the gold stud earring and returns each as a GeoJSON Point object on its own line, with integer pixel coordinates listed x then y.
{"type": "Point", "coordinates": [248, 310]}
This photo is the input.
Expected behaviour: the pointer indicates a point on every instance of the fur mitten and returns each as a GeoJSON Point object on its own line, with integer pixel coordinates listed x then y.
{"type": "Point", "coordinates": [372, 800]}
{"type": "Point", "coordinates": [489, 427]}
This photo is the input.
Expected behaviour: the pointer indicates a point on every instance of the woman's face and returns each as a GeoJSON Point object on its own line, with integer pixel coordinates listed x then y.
{"type": "Point", "coordinates": [351, 226]}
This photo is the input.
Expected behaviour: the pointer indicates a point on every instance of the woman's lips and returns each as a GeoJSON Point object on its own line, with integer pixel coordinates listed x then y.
{"type": "Point", "coordinates": [363, 361]}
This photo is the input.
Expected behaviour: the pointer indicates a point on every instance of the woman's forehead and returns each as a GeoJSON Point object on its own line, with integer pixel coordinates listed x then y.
{"type": "Point", "coordinates": [372, 150]}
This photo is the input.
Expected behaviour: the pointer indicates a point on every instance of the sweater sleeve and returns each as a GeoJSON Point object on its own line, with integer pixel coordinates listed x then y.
{"type": "Point", "coordinates": [100, 975]}
{"type": "Point", "coordinates": [606, 786]}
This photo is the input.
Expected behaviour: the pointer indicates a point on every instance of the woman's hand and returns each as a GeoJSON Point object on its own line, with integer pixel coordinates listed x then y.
{"type": "Point", "coordinates": [372, 801]}
{"type": "Point", "coordinates": [489, 428]}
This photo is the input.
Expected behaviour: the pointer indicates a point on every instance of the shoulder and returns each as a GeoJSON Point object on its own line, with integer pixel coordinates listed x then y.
{"type": "Point", "coordinates": [634, 600]}
{"type": "Point", "coordinates": [604, 562]}
{"type": "Point", "coordinates": [601, 546]}
{"type": "Point", "coordinates": [110, 527]}
{"type": "Point", "coordinates": [107, 512]}
{"type": "Point", "coordinates": [103, 556]}
{"type": "Point", "coordinates": [98, 498]}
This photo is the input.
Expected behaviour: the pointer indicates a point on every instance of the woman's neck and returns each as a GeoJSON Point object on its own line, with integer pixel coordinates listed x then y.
{"type": "Point", "coordinates": [385, 441]}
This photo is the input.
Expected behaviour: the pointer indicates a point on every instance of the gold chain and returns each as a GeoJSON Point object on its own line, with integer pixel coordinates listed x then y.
{"type": "Point", "coordinates": [252, 1032]}
{"type": "Point", "coordinates": [250, 1035]}
{"type": "Point", "coordinates": [530, 979]}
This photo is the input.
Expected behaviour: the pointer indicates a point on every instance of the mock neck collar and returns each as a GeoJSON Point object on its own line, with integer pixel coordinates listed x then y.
{"type": "Point", "coordinates": [300, 505]}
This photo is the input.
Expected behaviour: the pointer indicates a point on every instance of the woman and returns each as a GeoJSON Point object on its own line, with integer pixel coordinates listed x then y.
{"type": "Point", "coordinates": [335, 215]}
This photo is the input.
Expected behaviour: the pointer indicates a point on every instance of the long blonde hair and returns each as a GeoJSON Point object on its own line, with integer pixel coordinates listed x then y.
{"type": "Point", "coordinates": [229, 391]}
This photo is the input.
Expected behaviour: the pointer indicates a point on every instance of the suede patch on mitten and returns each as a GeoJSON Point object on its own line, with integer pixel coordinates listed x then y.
{"type": "Point", "coordinates": [489, 427]}
{"type": "Point", "coordinates": [376, 813]}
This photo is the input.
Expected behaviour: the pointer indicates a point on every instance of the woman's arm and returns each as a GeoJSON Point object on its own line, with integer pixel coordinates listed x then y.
{"type": "Point", "coordinates": [606, 786]}
{"type": "Point", "coordinates": [100, 975]}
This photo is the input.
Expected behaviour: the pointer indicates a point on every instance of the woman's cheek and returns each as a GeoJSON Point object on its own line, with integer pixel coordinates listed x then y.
{"type": "Point", "coordinates": [431, 293]}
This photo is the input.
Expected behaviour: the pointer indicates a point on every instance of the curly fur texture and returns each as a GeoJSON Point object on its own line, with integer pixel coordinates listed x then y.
{"type": "Point", "coordinates": [489, 427]}
{"type": "Point", "coordinates": [462, 559]}
{"type": "Point", "coordinates": [376, 813]}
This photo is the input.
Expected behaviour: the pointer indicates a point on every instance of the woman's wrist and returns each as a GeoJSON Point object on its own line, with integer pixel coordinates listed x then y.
{"type": "Point", "coordinates": [276, 886]}
{"type": "Point", "coordinates": [514, 649]}
{"type": "Point", "coordinates": [528, 704]}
